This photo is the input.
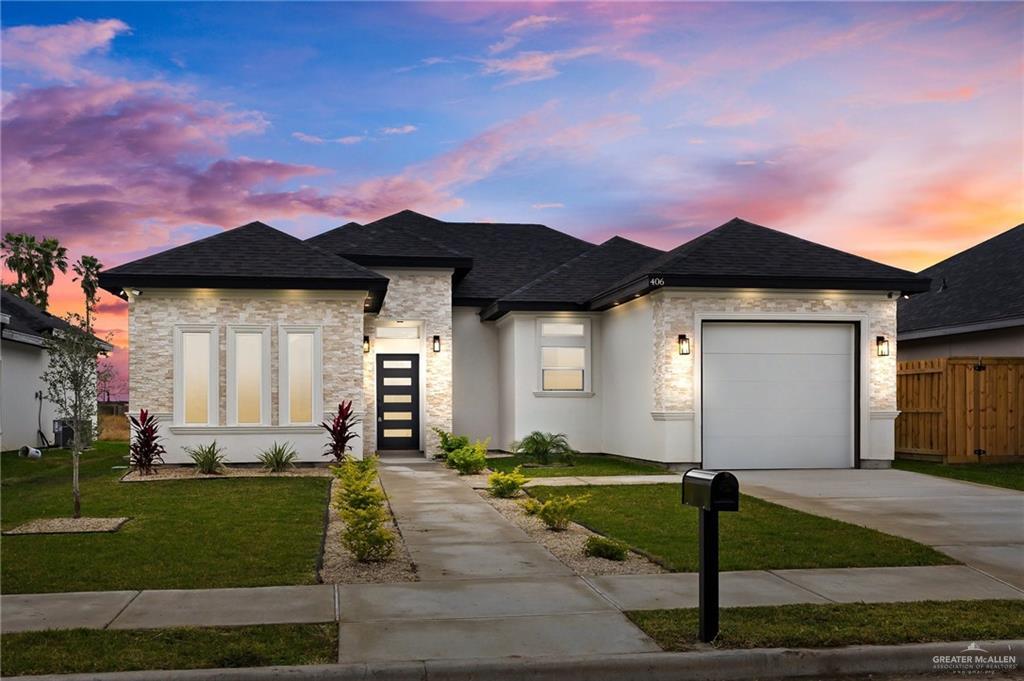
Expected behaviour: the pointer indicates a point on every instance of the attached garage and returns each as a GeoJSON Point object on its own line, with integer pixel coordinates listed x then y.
{"type": "Point", "coordinates": [778, 395]}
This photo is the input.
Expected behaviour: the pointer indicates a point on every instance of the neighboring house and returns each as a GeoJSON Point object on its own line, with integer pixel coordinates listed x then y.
{"type": "Point", "coordinates": [975, 307]}
{"type": "Point", "coordinates": [744, 348]}
{"type": "Point", "coordinates": [26, 416]}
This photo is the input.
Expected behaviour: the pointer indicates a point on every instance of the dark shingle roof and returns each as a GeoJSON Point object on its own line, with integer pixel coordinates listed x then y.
{"type": "Point", "coordinates": [251, 256]}
{"type": "Point", "coordinates": [26, 318]}
{"type": "Point", "coordinates": [742, 254]}
{"type": "Point", "coordinates": [575, 282]}
{"type": "Point", "coordinates": [984, 284]}
{"type": "Point", "coordinates": [503, 256]}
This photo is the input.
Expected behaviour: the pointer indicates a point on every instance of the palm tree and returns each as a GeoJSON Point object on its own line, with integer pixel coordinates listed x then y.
{"type": "Point", "coordinates": [50, 256]}
{"type": "Point", "coordinates": [88, 270]}
{"type": "Point", "coordinates": [19, 255]}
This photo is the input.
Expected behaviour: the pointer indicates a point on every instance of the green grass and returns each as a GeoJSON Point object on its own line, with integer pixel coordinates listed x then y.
{"type": "Point", "coordinates": [585, 464]}
{"type": "Point", "coordinates": [96, 650]}
{"type": "Point", "coordinates": [1008, 475]}
{"type": "Point", "coordinates": [761, 536]}
{"type": "Point", "coordinates": [823, 626]}
{"type": "Point", "coordinates": [183, 533]}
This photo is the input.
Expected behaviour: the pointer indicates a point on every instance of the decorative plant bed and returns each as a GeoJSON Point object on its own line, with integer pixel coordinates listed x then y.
{"type": "Point", "coordinates": [69, 525]}
{"type": "Point", "coordinates": [339, 567]}
{"type": "Point", "coordinates": [189, 473]}
{"type": "Point", "coordinates": [567, 545]}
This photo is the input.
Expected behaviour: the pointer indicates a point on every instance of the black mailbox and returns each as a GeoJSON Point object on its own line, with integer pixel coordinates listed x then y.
{"type": "Point", "coordinates": [711, 490]}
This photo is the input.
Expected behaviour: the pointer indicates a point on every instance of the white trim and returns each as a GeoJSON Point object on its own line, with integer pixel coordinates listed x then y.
{"type": "Point", "coordinates": [284, 408]}
{"type": "Point", "coordinates": [232, 387]}
{"type": "Point", "coordinates": [563, 393]}
{"type": "Point", "coordinates": [245, 430]}
{"type": "Point", "coordinates": [584, 341]}
{"type": "Point", "coordinates": [672, 415]}
{"type": "Point", "coordinates": [384, 269]}
{"type": "Point", "coordinates": [213, 397]}
{"type": "Point", "coordinates": [26, 338]}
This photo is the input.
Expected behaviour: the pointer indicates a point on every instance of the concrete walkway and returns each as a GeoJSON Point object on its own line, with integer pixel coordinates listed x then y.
{"type": "Point", "coordinates": [980, 525]}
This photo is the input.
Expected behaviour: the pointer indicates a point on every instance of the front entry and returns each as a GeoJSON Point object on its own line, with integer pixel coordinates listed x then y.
{"type": "Point", "coordinates": [398, 402]}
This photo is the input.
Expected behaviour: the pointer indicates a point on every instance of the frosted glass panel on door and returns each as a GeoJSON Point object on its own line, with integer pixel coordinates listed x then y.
{"type": "Point", "coordinates": [398, 399]}
{"type": "Point", "coordinates": [195, 356]}
{"type": "Point", "coordinates": [300, 377]}
{"type": "Point", "coordinates": [248, 376]}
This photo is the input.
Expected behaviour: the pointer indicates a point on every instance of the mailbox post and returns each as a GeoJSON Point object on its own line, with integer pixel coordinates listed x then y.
{"type": "Point", "coordinates": [710, 492]}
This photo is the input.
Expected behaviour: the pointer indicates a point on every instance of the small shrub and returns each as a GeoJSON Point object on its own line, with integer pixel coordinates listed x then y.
{"type": "Point", "coordinates": [556, 512]}
{"type": "Point", "coordinates": [278, 458]}
{"type": "Point", "coordinates": [603, 547]}
{"type": "Point", "coordinates": [209, 459]}
{"type": "Point", "coordinates": [145, 449]}
{"type": "Point", "coordinates": [469, 459]}
{"type": "Point", "coordinates": [506, 485]}
{"type": "Point", "coordinates": [545, 448]}
{"type": "Point", "coordinates": [449, 442]}
{"type": "Point", "coordinates": [342, 430]}
{"type": "Point", "coordinates": [531, 506]}
{"type": "Point", "coordinates": [360, 504]}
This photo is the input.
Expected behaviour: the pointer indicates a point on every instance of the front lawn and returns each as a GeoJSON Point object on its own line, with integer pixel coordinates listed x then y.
{"type": "Point", "coordinates": [97, 650]}
{"type": "Point", "coordinates": [583, 465]}
{"type": "Point", "coordinates": [761, 536]}
{"type": "Point", "coordinates": [183, 534]}
{"type": "Point", "coordinates": [825, 626]}
{"type": "Point", "coordinates": [1008, 475]}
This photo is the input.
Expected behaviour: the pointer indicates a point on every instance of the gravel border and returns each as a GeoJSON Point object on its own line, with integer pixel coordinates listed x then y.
{"type": "Point", "coordinates": [339, 567]}
{"type": "Point", "coordinates": [567, 545]}
{"type": "Point", "coordinates": [189, 473]}
{"type": "Point", "coordinates": [68, 526]}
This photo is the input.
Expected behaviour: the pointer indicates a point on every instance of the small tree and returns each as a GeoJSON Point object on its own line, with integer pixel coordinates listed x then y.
{"type": "Point", "coordinates": [108, 380]}
{"type": "Point", "coordinates": [71, 378]}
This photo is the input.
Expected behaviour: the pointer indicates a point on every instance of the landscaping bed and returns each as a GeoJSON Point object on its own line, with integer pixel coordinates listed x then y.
{"type": "Point", "coordinates": [161, 473]}
{"type": "Point", "coordinates": [184, 534]}
{"type": "Point", "coordinates": [1008, 475]}
{"type": "Point", "coordinates": [108, 650]}
{"type": "Point", "coordinates": [583, 465]}
{"type": "Point", "coordinates": [831, 625]}
{"type": "Point", "coordinates": [761, 536]}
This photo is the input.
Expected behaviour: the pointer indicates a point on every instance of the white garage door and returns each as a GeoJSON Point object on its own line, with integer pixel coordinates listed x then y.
{"type": "Point", "coordinates": [777, 395]}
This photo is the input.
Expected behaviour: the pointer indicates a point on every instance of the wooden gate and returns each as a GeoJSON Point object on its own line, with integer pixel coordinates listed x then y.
{"type": "Point", "coordinates": [961, 409]}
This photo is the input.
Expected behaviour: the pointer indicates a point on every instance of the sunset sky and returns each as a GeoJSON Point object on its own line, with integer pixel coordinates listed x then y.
{"type": "Point", "coordinates": [890, 130]}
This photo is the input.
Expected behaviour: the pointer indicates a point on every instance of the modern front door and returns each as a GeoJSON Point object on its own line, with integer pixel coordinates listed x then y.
{"type": "Point", "coordinates": [398, 402]}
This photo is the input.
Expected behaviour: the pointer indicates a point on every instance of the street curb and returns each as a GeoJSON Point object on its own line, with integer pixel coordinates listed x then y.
{"type": "Point", "coordinates": [711, 665]}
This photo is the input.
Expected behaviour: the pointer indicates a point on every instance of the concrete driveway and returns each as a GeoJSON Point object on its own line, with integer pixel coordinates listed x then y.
{"type": "Point", "coordinates": [979, 525]}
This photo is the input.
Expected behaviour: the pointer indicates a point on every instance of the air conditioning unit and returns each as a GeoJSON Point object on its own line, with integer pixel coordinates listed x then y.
{"type": "Point", "coordinates": [63, 433]}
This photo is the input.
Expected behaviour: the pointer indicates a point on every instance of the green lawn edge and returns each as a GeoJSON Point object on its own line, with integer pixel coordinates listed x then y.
{"type": "Point", "coordinates": [583, 465]}
{"type": "Point", "coordinates": [840, 624]}
{"type": "Point", "coordinates": [761, 536]}
{"type": "Point", "coordinates": [108, 650]}
{"type": "Point", "coordinates": [1004, 475]}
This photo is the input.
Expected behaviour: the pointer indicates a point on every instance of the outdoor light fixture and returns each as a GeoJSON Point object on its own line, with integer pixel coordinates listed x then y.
{"type": "Point", "coordinates": [366, 343]}
{"type": "Point", "coordinates": [437, 344]}
{"type": "Point", "coordinates": [684, 344]}
{"type": "Point", "coordinates": [882, 344]}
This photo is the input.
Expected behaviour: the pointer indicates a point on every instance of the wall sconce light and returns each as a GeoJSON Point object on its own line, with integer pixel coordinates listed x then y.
{"type": "Point", "coordinates": [882, 345]}
{"type": "Point", "coordinates": [684, 344]}
{"type": "Point", "coordinates": [366, 343]}
{"type": "Point", "coordinates": [437, 344]}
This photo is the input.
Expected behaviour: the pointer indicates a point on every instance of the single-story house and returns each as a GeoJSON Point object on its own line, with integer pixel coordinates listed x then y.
{"type": "Point", "coordinates": [26, 415]}
{"type": "Point", "coordinates": [975, 306]}
{"type": "Point", "coordinates": [743, 348]}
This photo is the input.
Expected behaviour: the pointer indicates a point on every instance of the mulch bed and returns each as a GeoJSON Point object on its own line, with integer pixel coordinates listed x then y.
{"type": "Point", "coordinates": [189, 473]}
{"type": "Point", "coordinates": [68, 525]}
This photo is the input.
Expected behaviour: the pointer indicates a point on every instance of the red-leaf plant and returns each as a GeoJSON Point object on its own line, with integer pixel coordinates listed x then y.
{"type": "Point", "coordinates": [342, 431]}
{"type": "Point", "coordinates": [145, 449]}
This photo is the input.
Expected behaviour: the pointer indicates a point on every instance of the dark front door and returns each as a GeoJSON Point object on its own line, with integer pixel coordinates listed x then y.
{"type": "Point", "coordinates": [398, 402]}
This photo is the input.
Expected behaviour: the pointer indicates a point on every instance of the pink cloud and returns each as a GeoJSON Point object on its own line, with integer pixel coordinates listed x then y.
{"type": "Point", "coordinates": [532, 22]}
{"type": "Point", "coordinates": [736, 117]}
{"type": "Point", "coordinates": [526, 67]}
{"type": "Point", "coordinates": [53, 50]}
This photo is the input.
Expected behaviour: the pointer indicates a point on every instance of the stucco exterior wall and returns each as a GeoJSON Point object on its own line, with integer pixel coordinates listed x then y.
{"type": "Point", "coordinates": [21, 366]}
{"type": "Point", "coordinates": [423, 296]}
{"type": "Point", "coordinates": [153, 317]}
{"type": "Point", "coordinates": [475, 376]}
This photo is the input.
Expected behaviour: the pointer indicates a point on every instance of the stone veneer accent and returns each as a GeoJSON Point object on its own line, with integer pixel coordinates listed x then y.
{"type": "Point", "coordinates": [153, 316]}
{"type": "Point", "coordinates": [675, 314]}
{"type": "Point", "coordinates": [421, 296]}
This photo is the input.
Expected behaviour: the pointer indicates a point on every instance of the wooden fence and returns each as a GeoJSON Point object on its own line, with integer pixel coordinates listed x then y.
{"type": "Point", "coordinates": [961, 409]}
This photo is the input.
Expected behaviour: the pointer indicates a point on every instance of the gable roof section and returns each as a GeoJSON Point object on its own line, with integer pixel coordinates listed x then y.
{"type": "Point", "coordinates": [740, 254]}
{"type": "Point", "coordinates": [977, 289]}
{"type": "Point", "coordinates": [572, 284]}
{"type": "Point", "coordinates": [251, 256]}
{"type": "Point", "coordinates": [504, 256]}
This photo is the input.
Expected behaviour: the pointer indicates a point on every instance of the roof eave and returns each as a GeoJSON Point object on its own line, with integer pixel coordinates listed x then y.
{"type": "Point", "coordinates": [500, 308]}
{"type": "Point", "coordinates": [956, 329]}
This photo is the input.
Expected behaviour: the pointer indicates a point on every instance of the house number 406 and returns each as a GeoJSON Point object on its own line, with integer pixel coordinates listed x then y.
{"type": "Point", "coordinates": [657, 281]}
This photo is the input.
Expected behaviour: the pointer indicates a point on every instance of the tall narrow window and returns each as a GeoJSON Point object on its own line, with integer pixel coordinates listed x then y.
{"type": "Point", "coordinates": [564, 355]}
{"type": "Point", "coordinates": [249, 377]}
{"type": "Point", "coordinates": [195, 356]}
{"type": "Point", "coordinates": [301, 363]}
